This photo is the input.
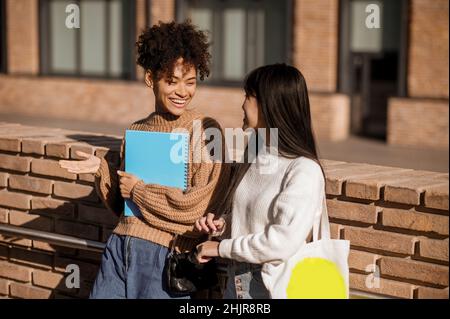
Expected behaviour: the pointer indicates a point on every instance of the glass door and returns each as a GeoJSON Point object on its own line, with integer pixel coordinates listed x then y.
{"type": "Point", "coordinates": [372, 60]}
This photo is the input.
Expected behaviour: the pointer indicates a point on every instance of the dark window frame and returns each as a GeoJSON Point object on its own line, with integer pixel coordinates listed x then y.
{"type": "Point", "coordinates": [129, 35]}
{"type": "Point", "coordinates": [365, 119]}
{"type": "Point", "coordinates": [181, 7]}
{"type": "Point", "coordinates": [3, 52]}
{"type": "Point", "coordinates": [344, 81]}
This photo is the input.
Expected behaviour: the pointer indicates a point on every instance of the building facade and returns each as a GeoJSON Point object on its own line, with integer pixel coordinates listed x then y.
{"type": "Point", "coordinates": [373, 68]}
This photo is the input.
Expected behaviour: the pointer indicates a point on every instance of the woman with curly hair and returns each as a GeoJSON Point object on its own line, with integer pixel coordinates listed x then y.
{"type": "Point", "coordinates": [173, 55]}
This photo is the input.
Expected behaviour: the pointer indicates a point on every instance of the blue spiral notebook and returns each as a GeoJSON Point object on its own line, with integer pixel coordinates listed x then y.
{"type": "Point", "coordinates": [156, 158]}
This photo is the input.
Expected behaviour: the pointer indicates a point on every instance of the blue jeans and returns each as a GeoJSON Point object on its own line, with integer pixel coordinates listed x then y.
{"type": "Point", "coordinates": [132, 268]}
{"type": "Point", "coordinates": [245, 282]}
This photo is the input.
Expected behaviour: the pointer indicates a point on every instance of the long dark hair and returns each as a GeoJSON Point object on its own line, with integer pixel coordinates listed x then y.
{"type": "Point", "coordinates": [281, 93]}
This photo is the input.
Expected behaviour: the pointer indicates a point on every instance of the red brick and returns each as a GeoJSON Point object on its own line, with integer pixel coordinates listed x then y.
{"type": "Point", "coordinates": [20, 37]}
{"type": "Point", "coordinates": [437, 197]}
{"type": "Point", "coordinates": [434, 249]}
{"type": "Point", "coordinates": [15, 272]}
{"type": "Point", "coordinates": [352, 211]}
{"type": "Point", "coordinates": [15, 163]}
{"type": "Point", "coordinates": [414, 270]}
{"type": "Point", "coordinates": [380, 240]}
{"type": "Point", "coordinates": [59, 149]}
{"type": "Point", "coordinates": [36, 259]}
{"type": "Point", "coordinates": [97, 215]}
{"type": "Point", "coordinates": [415, 221]}
{"type": "Point", "coordinates": [11, 144]}
{"type": "Point", "coordinates": [75, 191]}
{"type": "Point", "coordinates": [15, 200]}
{"type": "Point", "coordinates": [330, 164]}
{"type": "Point", "coordinates": [48, 279]}
{"type": "Point", "coordinates": [3, 179]}
{"type": "Point", "coordinates": [50, 168]}
{"type": "Point", "coordinates": [16, 241]}
{"type": "Point", "coordinates": [335, 230]}
{"type": "Point", "coordinates": [162, 10]}
{"type": "Point", "coordinates": [42, 246]}
{"type": "Point", "coordinates": [80, 147]}
{"type": "Point", "coordinates": [29, 292]}
{"type": "Point", "coordinates": [370, 187]}
{"type": "Point", "coordinates": [53, 206]}
{"type": "Point", "coordinates": [386, 287]}
{"type": "Point", "coordinates": [432, 293]}
{"type": "Point", "coordinates": [89, 177]}
{"type": "Point", "coordinates": [77, 229]}
{"type": "Point", "coordinates": [4, 287]}
{"type": "Point", "coordinates": [30, 184]}
{"type": "Point", "coordinates": [36, 145]}
{"type": "Point", "coordinates": [53, 248]}
{"type": "Point", "coordinates": [337, 176]}
{"type": "Point", "coordinates": [33, 146]}
{"type": "Point", "coordinates": [4, 213]}
{"type": "Point", "coordinates": [409, 191]}
{"type": "Point", "coordinates": [31, 221]}
{"type": "Point", "coordinates": [428, 65]}
{"type": "Point", "coordinates": [361, 260]}
{"type": "Point", "coordinates": [406, 114]}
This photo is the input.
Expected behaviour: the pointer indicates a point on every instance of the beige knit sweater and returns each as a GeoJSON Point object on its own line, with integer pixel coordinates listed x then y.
{"type": "Point", "coordinates": [165, 211]}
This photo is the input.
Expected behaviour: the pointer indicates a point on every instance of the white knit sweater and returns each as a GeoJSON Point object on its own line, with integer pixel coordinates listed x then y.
{"type": "Point", "coordinates": [273, 214]}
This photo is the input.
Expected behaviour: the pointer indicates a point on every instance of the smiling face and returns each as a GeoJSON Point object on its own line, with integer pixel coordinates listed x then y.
{"type": "Point", "coordinates": [253, 117]}
{"type": "Point", "coordinates": [173, 94]}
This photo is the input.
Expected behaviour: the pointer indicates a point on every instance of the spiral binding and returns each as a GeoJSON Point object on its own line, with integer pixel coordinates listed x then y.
{"type": "Point", "coordinates": [186, 161]}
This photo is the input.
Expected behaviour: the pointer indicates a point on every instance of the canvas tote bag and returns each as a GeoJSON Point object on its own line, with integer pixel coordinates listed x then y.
{"type": "Point", "coordinates": [319, 270]}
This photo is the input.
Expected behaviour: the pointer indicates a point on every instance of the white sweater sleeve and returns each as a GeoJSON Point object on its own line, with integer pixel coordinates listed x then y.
{"type": "Point", "coordinates": [293, 213]}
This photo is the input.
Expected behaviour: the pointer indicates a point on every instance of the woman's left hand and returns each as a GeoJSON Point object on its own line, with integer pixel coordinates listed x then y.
{"type": "Point", "coordinates": [127, 182]}
{"type": "Point", "coordinates": [207, 250]}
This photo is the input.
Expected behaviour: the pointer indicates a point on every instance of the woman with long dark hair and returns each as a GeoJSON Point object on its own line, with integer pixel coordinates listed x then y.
{"type": "Point", "coordinates": [271, 214]}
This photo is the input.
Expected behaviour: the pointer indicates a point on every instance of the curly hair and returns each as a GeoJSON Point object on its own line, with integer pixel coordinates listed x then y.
{"type": "Point", "coordinates": [160, 46]}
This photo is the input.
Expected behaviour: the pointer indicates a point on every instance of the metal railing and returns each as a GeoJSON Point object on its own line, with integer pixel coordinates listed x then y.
{"type": "Point", "coordinates": [91, 245]}
{"type": "Point", "coordinates": [52, 238]}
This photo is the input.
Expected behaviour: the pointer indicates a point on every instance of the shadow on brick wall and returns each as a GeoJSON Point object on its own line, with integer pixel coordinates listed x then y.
{"type": "Point", "coordinates": [71, 206]}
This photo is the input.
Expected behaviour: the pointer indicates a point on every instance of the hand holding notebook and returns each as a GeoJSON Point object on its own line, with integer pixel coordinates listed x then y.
{"type": "Point", "coordinates": [156, 158]}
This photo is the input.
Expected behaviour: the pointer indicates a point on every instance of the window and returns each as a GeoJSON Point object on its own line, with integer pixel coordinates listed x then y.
{"type": "Point", "coordinates": [103, 46]}
{"type": "Point", "coordinates": [2, 36]}
{"type": "Point", "coordinates": [372, 62]}
{"type": "Point", "coordinates": [245, 34]}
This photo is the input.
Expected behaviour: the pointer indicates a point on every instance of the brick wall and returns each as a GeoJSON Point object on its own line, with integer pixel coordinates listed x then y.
{"type": "Point", "coordinates": [422, 119]}
{"type": "Point", "coordinates": [396, 219]}
{"type": "Point", "coordinates": [141, 23]}
{"type": "Point", "coordinates": [428, 49]}
{"type": "Point", "coordinates": [163, 10]}
{"type": "Point", "coordinates": [418, 122]}
{"type": "Point", "coordinates": [22, 36]}
{"type": "Point", "coordinates": [118, 101]}
{"type": "Point", "coordinates": [123, 102]}
{"type": "Point", "coordinates": [317, 59]}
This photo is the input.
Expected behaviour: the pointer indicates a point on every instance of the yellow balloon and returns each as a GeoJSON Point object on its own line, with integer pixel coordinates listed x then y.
{"type": "Point", "coordinates": [316, 278]}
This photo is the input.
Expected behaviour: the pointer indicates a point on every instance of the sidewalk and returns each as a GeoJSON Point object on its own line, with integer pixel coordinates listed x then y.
{"type": "Point", "coordinates": [354, 149]}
